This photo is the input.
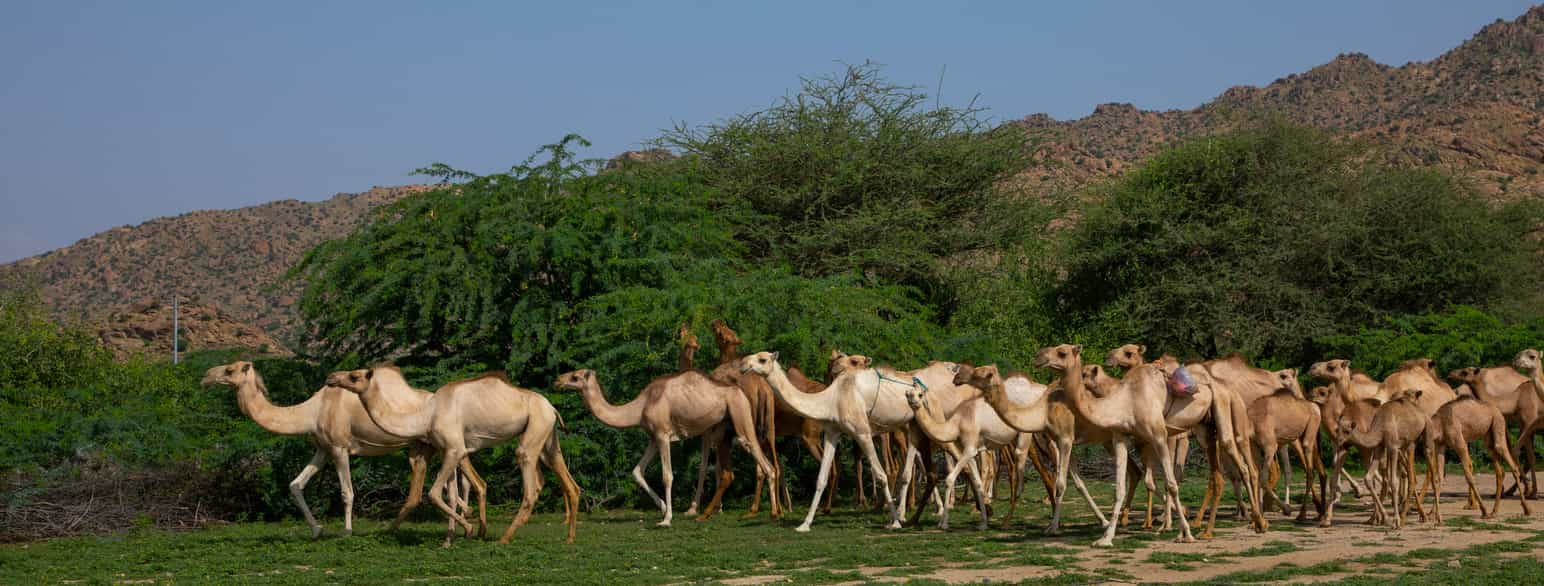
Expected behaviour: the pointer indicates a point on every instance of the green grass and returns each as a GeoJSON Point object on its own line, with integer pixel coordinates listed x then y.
{"type": "Point", "coordinates": [625, 547]}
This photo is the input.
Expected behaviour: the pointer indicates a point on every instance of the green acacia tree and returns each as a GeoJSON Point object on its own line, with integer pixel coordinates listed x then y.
{"type": "Point", "coordinates": [1262, 239]}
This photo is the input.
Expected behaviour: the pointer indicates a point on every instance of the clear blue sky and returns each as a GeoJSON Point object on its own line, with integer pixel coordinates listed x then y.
{"type": "Point", "coordinates": [113, 113]}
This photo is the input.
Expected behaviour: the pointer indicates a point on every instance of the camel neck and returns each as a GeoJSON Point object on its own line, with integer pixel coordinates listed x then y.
{"type": "Point", "coordinates": [1084, 402]}
{"type": "Point", "coordinates": [688, 354]}
{"type": "Point", "coordinates": [818, 405]}
{"type": "Point", "coordinates": [935, 425]}
{"type": "Point", "coordinates": [1027, 418]}
{"type": "Point", "coordinates": [1537, 376]}
{"type": "Point", "coordinates": [618, 416]}
{"type": "Point", "coordinates": [396, 407]}
{"type": "Point", "coordinates": [728, 353]}
{"type": "Point", "coordinates": [252, 396]}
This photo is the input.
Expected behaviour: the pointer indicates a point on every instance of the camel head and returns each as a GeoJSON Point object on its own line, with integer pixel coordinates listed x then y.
{"type": "Point", "coordinates": [1319, 394]}
{"type": "Point", "coordinates": [842, 362]}
{"type": "Point", "coordinates": [916, 397]}
{"type": "Point", "coordinates": [234, 374]}
{"type": "Point", "coordinates": [1527, 360]}
{"type": "Point", "coordinates": [1410, 395]}
{"type": "Point", "coordinates": [688, 339]}
{"type": "Point", "coordinates": [1462, 391]}
{"type": "Point", "coordinates": [576, 380]}
{"type": "Point", "coordinates": [1330, 370]}
{"type": "Point", "coordinates": [1126, 356]}
{"type": "Point", "coordinates": [962, 372]}
{"type": "Point", "coordinates": [1095, 377]}
{"type": "Point", "coordinates": [1466, 375]}
{"type": "Point", "coordinates": [354, 381]}
{"type": "Point", "coordinates": [759, 363]}
{"type": "Point", "coordinates": [1287, 378]}
{"type": "Point", "coordinates": [982, 377]}
{"type": "Point", "coordinates": [1059, 358]}
{"type": "Point", "coordinates": [723, 335]}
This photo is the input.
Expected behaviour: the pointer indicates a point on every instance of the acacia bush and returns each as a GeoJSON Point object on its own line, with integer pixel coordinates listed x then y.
{"type": "Point", "coordinates": [1263, 239]}
{"type": "Point", "coordinates": [1460, 337]}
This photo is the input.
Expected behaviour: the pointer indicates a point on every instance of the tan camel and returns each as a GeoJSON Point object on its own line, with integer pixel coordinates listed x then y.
{"type": "Point", "coordinates": [1286, 418]}
{"type": "Point", "coordinates": [1391, 433]}
{"type": "Point", "coordinates": [672, 407]}
{"type": "Point", "coordinates": [974, 428]}
{"type": "Point", "coordinates": [1452, 428]}
{"type": "Point", "coordinates": [763, 416]}
{"type": "Point", "coordinates": [1134, 410]}
{"type": "Point", "coordinates": [1512, 394]}
{"type": "Point", "coordinates": [339, 427]}
{"type": "Point", "coordinates": [463, 417]}
{"type": "Point", "coordinates": [862, 404]}
{"type": "Point", "coordinates": [689, 347]}
{"type": "Point", "coordinates": [1346, 386]}
{"type": "Point", "coordinates": [1033, 408]}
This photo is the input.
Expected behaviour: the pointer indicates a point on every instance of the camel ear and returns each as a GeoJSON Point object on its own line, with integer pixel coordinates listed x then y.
{"type": "Point", "coordinates": [867, 361]}
{"type": "Point", "coordinates": [1142, 350]}
{"type": "Point", "coordinates": [369, 374]}
{"type": "Point", "coordinates": [837, 355]}
{"type": "Point", "coordinates": [774, 357]}
{"type": "Point", "coordinates": [1077, 349]}
{"type": "Point", "coordinates": [246, 367]}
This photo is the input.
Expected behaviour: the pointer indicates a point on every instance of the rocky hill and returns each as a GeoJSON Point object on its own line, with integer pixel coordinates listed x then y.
{"type": "Point", "coordinates": [228, 257]}
{"type": "Point", "coordinates": [147, 327]}
{"type": "Point", "coordinates": [1475, 110]}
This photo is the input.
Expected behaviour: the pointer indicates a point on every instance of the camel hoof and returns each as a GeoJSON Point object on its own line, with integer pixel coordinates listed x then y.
{"type": "Point", "coordinates": [1185, 539]}
{"type": "Point", "coordinates": [691, 511]}
{"type": "Point", "coordinates": [665, 523]}
{"type": "Point", "coordinates": [316, 533]}
{"type": "Point", "coordinates": [943, 526]}
{"type": "Point", "coordinates": [704, 518]}
{"type": "Point", "coordinates": [1104, 543]}
{"type": "Point", "coordinates": [802, 529]}
{"type": "Point", "coordinates": [1207, 536]}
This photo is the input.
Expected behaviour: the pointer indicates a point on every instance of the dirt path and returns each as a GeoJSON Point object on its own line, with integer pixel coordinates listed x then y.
{"type": "Point", "coordinates": [1239, 550]}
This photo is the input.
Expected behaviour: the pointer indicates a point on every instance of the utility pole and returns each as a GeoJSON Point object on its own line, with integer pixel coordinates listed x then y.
{"type": "Point", "coordinates": [176, 356]}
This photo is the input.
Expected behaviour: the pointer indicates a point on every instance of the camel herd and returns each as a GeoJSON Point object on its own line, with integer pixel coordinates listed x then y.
{"type": "Point", "coordinates": [1248, 421]}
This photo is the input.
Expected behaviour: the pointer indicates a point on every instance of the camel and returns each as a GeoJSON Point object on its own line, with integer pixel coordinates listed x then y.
{"type": "Point", "coordinates": [1391, 433]}
{"type": "Point", "coordinates": [1346, 387]}
{"type": "Point", "coordinates": [464, 416]}
{"type": "Point", "coordinates": [1452, 428]}
{"type": "Point", "coordinates": [672, 407]}
{"type": "Point", "coordinates": [1286, 418]}
{"type": "Point", "coordinates": [1135, 410]}
{"type": "Point", "coordinates": [973, 429]}
{"type": "Point", "coordinates": [861, 403]}
{"type": "Point", "coordinates": [1513, 395]}
{"type": "Point", "coordinates": [339, 427]}
{"type": "Point", "coordinates": [1032, 408]}
{"type": "Point", "coordinates": [764, 418]}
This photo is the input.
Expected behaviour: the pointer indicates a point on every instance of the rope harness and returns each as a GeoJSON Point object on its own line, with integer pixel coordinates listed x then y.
{"type": "Point", "coordinates": [879, 378]}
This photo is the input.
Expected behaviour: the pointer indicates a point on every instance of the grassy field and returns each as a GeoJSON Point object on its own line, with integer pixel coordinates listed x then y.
{"type": "Point", "coordinates": [846, 546]}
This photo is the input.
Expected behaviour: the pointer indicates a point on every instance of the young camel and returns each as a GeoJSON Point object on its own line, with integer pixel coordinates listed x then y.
{"type": "Point", "coordinates": [1452, 428]}
{"type": "Point", "coordinates": [1032, 408]}
{"type": "Point", "coordinates": [763, 416]}
{"type": "Point", "coordinates": [861, 404]}
{"type": "Point", "coordinates": [339, 427]}
{"type": "Point", "coordinates": [463, 417]}
{"type": "Point", "coordinates": [1286, 418]}
{"type": "Point", "coordinates": [1346, 387]}
{"type": "Point", "coordinates": [974, 428]}
{"type": "Point", "coordinates": [1135, 410]}
{"type": "Point", "coordinates": [1389, 435]}
{"type": "Point", "coordinates": [672, 407]}
{"type": "Point", "coordinates": [1513, 395]}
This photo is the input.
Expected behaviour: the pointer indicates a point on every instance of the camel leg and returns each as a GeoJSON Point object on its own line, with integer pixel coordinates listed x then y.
{"type": "Point", "coordinates": [667, 474]}
{"type": "Point", "coordinates": [722, 451]}
{"type": "Point", "coordinates": [552, 454]}
{"type": "Point", "coordinates": [1463, 459]}
{"type": "Point", "coordinates": [1339, 462]}
{"type": "Point", "coordinates": [982, 495]}
{"type": "Point", "coordinates": [1039, 464]}
{"type": "Point", "coordinates": [1063, 467]}
{"type": "Point", "coordinates": [474, 482]}
{"type": "Point", "coordinates": [1120, 449]}
{"type": "Point", "coordinates": [877, 470]}
{"type": "Point", "coordinates": [1435, 470]}
{"type": "Point", "coordinates": [450, 462]}
{"type": "Point", "coordinates": [1286, 478]}
{"type": "Point", "coordinates": [913, 454]}
{"type": "Point", "coordinates": [1268, 487]}
{"type": "Point", "coordinates": [827, 454]}
{"type": "Point", "coordinates": [1499, 453]}
{"type": "Point", "coordinates": [702, 477]}
{"type": "Point", "coordinates": [346, 487]}
{"type": "Point", "coordinates": [643, 464]}
{"type": "Point", "coordinates": [1166, 460]}
{"type": "Point", "coordinates": [775, 474]}
{"type": "Point", "coordinates": [298, 489]}
{"type": "Point", "coordinates": [418, 461]}
{"type": "Point", "coordinates": [529, 456]}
